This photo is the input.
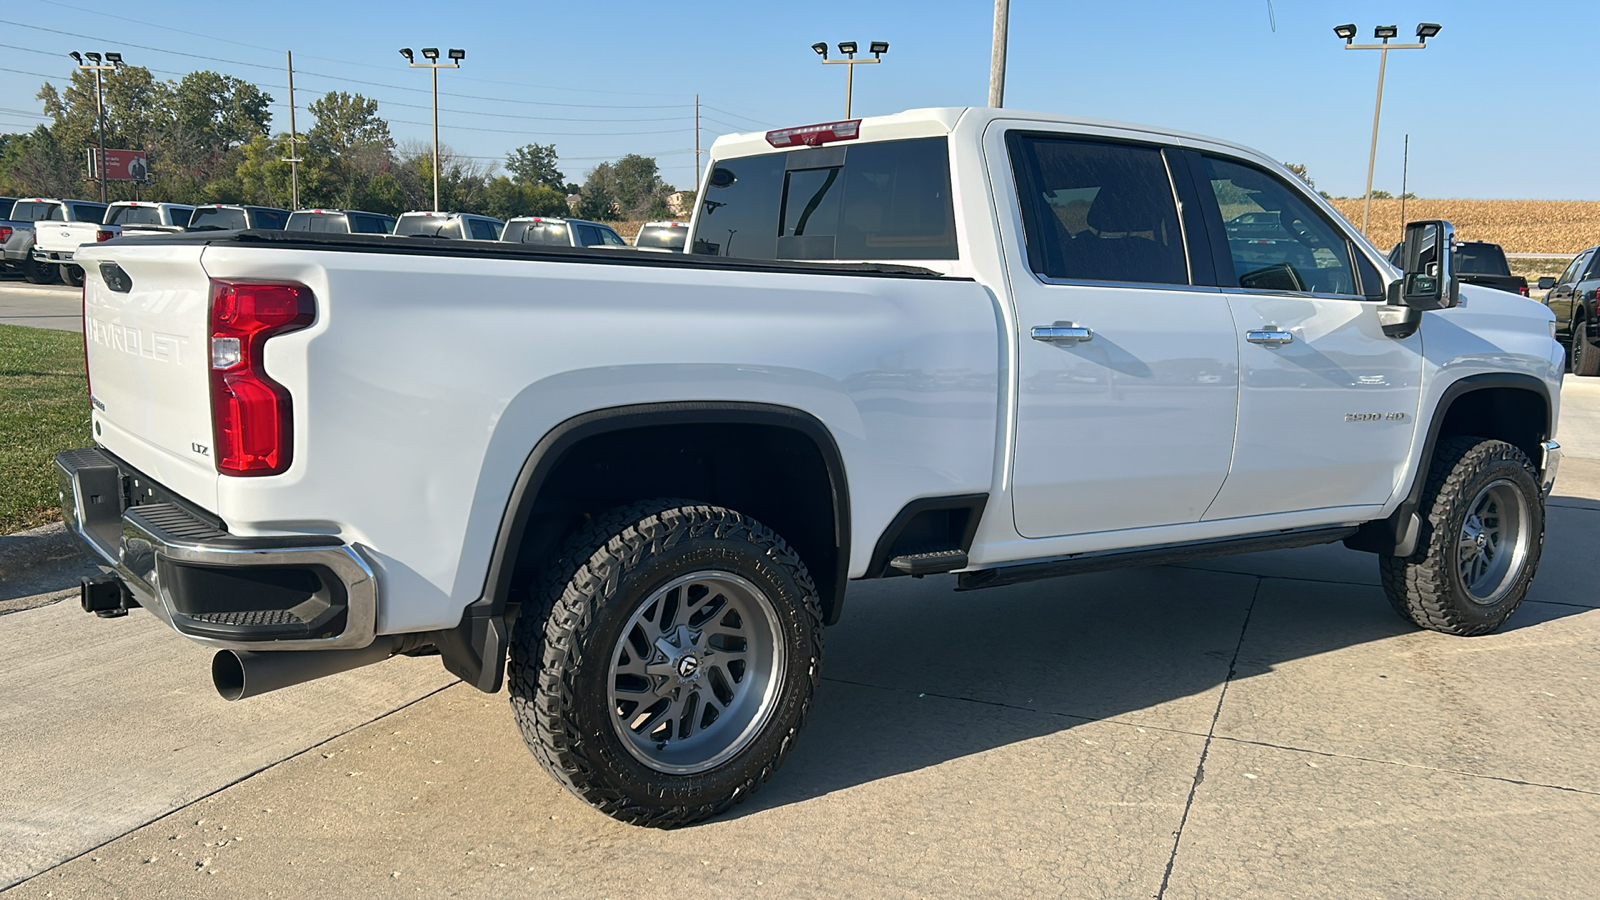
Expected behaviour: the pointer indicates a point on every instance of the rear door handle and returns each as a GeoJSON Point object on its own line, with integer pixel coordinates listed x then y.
{"type": "Point", "coordinates": [1271, 336]}
{"type": "Point", "coordinates": [1065, 333]}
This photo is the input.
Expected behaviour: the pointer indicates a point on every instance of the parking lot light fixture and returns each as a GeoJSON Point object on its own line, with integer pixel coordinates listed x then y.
{"type": "Point", "coordinates": [112, 62]}
{"type": "Point", "coordinates": [1384, 33]}
{"type": "Point", "coordinates": [848, 48]}
{"type": "Point", "coordinates": [433, 64]}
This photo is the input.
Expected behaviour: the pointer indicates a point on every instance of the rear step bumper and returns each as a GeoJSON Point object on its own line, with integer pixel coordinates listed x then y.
{"type": "Point", "coordinates": [301, 592]}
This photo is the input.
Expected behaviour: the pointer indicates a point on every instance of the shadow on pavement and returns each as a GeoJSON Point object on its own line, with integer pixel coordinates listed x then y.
{"type": "Point", "coordinates": [1148, 648]}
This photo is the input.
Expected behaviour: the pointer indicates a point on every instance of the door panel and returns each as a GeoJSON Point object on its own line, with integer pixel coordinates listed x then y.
{"type": "Point", "coordinates": [1326, 419]}
{"type": "Point", "coordinates": [1131, 428]}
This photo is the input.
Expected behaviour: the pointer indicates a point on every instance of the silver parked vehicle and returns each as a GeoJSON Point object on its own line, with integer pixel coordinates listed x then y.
{"type": "Point", "coordinates": [448, 225]}
{"type": "Point", "coordinates": [340, 221]}
{"type": "Point", "coordinates": [554, 231]}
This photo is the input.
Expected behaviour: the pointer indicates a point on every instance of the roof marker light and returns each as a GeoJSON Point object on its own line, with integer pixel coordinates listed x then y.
{"type": "Point", "coordinates": [815, 135]}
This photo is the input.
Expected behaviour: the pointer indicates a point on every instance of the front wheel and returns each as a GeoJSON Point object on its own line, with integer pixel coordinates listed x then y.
{"type": "Point", "coordinates": [670, 662]}
{"type": "Point", "coordinates": [72, 275]}
{"type": "Point", "coordinates": [1482, 533]}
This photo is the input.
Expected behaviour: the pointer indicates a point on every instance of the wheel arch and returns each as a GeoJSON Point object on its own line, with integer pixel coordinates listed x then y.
{"type": "Point", "coordinates": [1508, 406]}
{"type": "Point", "coordinates": [475, 649]}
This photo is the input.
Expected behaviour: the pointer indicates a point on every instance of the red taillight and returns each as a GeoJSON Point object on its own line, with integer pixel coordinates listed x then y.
{"type": "Point", "coordinates": [815, 135]}
{"type": "Point", "coordinates": [103, 235]}
{"type": "Point", "coordinates": [5, 233]}
{"type": "Point", "coordinates": [252, 420]}
{"type": "Point", "coordinates": [1523, 290]}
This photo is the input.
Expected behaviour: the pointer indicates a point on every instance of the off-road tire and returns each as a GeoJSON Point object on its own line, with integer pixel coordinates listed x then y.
{"type": "Point", "coordinates": [72, 276]}
{"type": "Point", "coordinates": [1585, 355]}
{"type": "Point", "coordinates": [39, 273]}
{"type": "Point", "coordinates": [562, 646]}
{"type": "Point", "coordinates": [1426, 588]}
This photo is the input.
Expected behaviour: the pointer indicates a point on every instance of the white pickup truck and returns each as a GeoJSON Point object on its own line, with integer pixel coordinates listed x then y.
{"type": "Point", "coordinates": [62, 226]}
{"type": "Point", "coordinates": [997, 344]}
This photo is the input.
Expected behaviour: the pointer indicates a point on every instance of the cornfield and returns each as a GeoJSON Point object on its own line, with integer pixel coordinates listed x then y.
{"type": "Point", "coordinates": [1519, 226]}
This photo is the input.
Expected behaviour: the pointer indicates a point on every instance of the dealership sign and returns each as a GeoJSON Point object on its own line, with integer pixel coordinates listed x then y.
{"type": "Point", "coordinates": [121, 165]}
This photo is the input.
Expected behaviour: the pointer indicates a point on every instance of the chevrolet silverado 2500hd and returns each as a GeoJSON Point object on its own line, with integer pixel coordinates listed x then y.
{"type": "Point", "coordinates": [996, 344]}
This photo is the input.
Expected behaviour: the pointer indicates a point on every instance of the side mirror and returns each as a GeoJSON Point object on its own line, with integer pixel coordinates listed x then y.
{"type": "Point", "coordinates": [1427, 258]}
{"type": "Point", "coordinates": [1546, 283]}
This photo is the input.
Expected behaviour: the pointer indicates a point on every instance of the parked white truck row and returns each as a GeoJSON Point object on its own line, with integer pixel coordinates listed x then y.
{"type": "Point", "coordinates": [1001, 345]}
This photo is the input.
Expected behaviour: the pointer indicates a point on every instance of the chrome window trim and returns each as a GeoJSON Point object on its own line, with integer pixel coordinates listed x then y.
{"type": "Point", "coordinates": [1143, 285]}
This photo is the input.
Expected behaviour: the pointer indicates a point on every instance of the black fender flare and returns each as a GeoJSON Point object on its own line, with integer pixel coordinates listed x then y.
{"type": "Point", "coordinates": [1397, 534]}
{"type": "Point", "coordinates": [475, 650]}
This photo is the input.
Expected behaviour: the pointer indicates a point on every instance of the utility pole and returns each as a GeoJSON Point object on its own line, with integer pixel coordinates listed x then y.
{"type": "Point", "coordinates": [1384, 33]}
{"type": "Point", "coordinates": [294, 156]}
{"type": "Point", "coordinates": [697, 142]}
{"type": "Point", "coordinates": [112, 61]}
{"type": "Point", "coordinates": [848, 48]}
{"type": "Point", "coordinates": [997, 56]}
{"type": "Point", "coordinates": [432, 55]}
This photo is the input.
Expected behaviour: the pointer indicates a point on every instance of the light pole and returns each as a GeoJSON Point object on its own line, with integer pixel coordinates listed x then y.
{"type": "Point", "coordinates": [1383, 32]}
{"type": "Point", "coordinates": [112, 61]}
{"type": "Point", "coordinates": [432, 55]}
{"type": "Point", "coordinates": [848, 48]}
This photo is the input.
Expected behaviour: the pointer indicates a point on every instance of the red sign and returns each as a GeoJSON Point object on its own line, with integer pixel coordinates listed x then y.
{"type": "Point", "coordinates": [125, 165]}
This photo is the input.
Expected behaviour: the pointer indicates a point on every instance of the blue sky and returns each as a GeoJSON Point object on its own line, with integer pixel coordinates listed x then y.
{"type": "Point", "coordinates": [1484, 104]}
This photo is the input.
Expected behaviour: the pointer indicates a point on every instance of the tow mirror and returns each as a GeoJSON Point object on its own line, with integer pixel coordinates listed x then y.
{"type": "Point", "coordinates": [1427, 258]}
{"type": "Point", "coordinates": [1546, 283]}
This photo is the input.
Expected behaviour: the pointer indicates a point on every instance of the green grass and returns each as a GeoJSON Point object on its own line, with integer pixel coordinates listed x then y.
{"type": "Point", "coordinates": [44, 409]}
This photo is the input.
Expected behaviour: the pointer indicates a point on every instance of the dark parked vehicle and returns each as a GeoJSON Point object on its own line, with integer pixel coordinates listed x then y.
{"type": "Point", "coordinates": [1480, 262]}
{"type": "Point", "coordinates": [1575, 299]}
{"type": "Point", "coordinates": [229, 217]}
{"type": "Point", "coordinates": [340, 221]}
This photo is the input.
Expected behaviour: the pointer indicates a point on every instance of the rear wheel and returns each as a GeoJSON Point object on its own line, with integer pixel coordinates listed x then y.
{"type": "Point", "coordinates": [39, 273]}
{"type": "Point", "coordinates": [670, 663]}
{"type": "Point", "coordinates": [1482, 533]}
{"type": "Point", "coordinates": [72, 275]}
{"type": "Point", "coordinates": [1585, 358]}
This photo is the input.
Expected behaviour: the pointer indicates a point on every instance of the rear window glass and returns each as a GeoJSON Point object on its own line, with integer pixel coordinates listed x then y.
{"type": "Point", "coordinates": [35, 212]}
{"type": "Point", "coordinates": [887, 200]}
{"type": "Point", "coordinates": [548, 233]}
{"type": "Point", "coordinates": [135, 215]}
{"type": "Point", "coordinates": [664, 237]}
{"type": "Point", "coordinates": [273, 219]}
{"type": "Point", "coordinates": [216, 219]}
{"type": "Point", "coordinates": [1481, 259]}
{"type": "Point", "coordinates": [88, 212]}
{"type": "Point", "coordinates": [429, 226]}
{"type": "Point", "coordinates": [362, 223]}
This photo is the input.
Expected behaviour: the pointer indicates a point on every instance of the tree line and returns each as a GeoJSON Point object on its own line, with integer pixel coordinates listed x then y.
{"type": "Point", "coordinates": [208, 138]}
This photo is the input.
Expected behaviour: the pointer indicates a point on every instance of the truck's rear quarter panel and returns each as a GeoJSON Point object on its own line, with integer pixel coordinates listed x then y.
{"type": "Point", "coordinates": [426, 381]}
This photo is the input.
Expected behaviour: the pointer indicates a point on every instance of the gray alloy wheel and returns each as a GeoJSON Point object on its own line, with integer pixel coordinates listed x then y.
{"type": "Point", "coordinates": [695, 674]}
{"type": "Point", "coordinates": [1493, 544]}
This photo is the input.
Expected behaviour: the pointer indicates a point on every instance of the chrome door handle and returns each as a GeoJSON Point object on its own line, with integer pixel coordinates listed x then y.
{"type": "Point", "coordinates": [1272, 336]}
{"type": "Point", "coordinates": [1064, 333]}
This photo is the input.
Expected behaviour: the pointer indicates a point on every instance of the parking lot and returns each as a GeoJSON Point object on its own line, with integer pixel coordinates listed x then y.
{"type": "Point", "coordinates": [39, 305]}
{"type": "Point", "coordinates": [1259, 726]}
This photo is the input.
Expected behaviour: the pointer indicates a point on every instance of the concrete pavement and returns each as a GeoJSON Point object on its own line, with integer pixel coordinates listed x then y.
{"type": "Point", "coordinates": [1259, 726]}
{"type": "Point", "coordinates": [53, 306]}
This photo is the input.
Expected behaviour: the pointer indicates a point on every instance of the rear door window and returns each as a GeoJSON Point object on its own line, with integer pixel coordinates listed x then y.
{"type": "Point", "coordinates": [271, 219]}
{"type": "Point", "coordinates": [883, 200]}
{"type": "Point", "coordinates": [363, 223]}
{"type": "Point", "coordinates": [588, 235]}
{"type": "Point", "coordinates": [1098, 211]}
{"type": "Point", "coordinates": [484, 230]}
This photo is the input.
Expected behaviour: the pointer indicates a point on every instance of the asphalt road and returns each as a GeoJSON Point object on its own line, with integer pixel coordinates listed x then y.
{"type": "Point", "coordinates": [54, 306]}
{"type": "Point", "coordinates": [1259, 726]}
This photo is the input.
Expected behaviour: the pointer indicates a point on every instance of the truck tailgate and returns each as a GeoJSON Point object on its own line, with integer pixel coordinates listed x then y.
{"type": "Point", "coordinates": [149, 364]}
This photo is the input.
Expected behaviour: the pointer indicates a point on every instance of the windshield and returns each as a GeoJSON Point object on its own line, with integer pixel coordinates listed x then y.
{"type": "Point", "coordinates": [548, 233]}
{"type": "Point", "coordinates": [1482, 259]}
{"type": "Point", "coordinates": [665, 237]}
{"type": "Point", "coordinates": [217, 218]}
{"type": "Point", "coordinates": [135, 215]}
